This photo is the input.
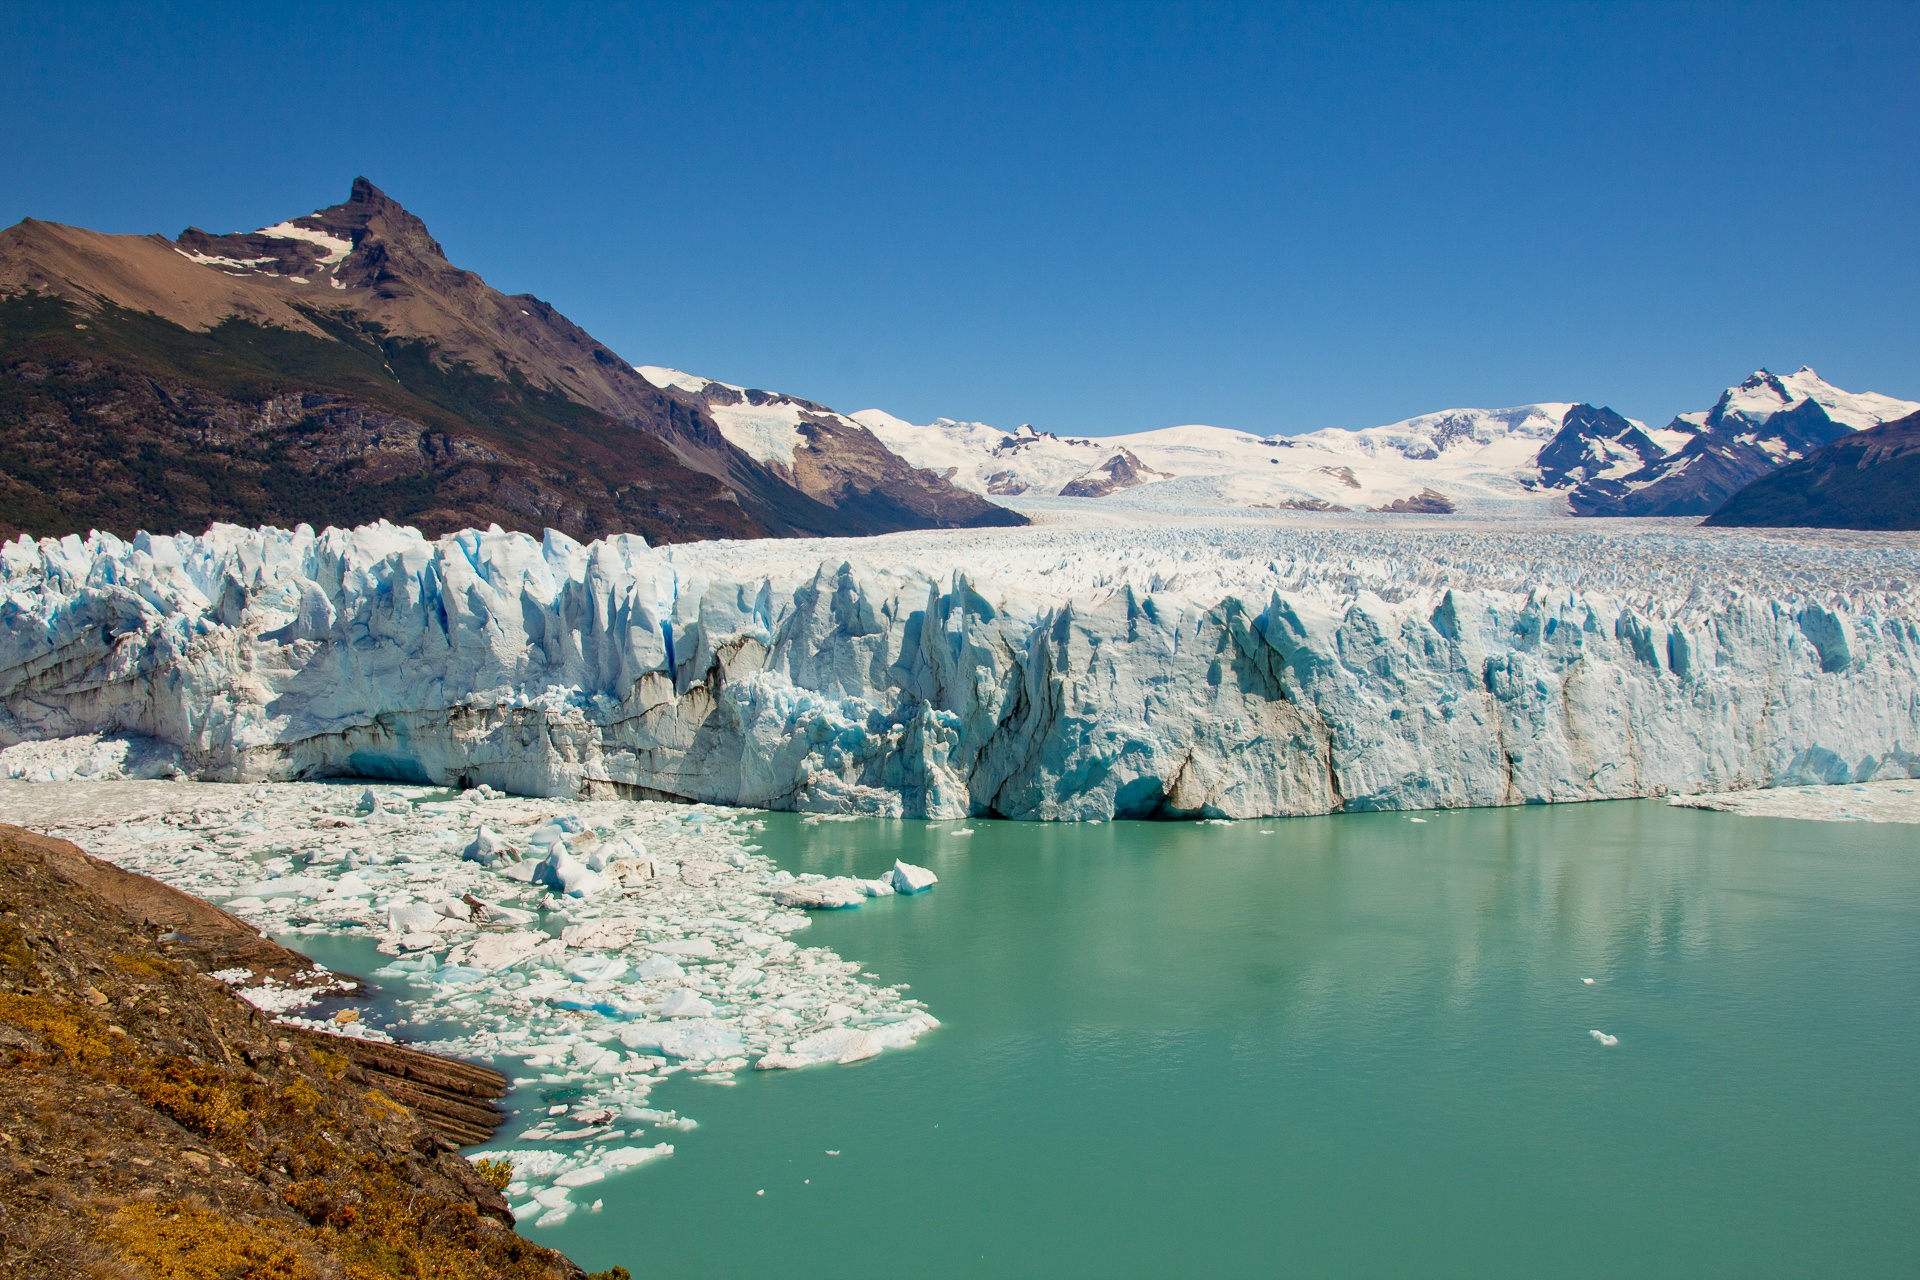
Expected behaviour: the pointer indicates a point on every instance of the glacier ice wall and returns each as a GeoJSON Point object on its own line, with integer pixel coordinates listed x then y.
{"type": "Point", "coordinates": [1229, 669]}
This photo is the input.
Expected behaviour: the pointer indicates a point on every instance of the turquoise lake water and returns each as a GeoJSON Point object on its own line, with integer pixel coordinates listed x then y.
{"type": "Point", "coordinates": [1355, 1045]}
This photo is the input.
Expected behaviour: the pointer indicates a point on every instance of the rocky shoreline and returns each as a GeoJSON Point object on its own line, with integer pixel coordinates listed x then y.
{"type": "Point", "coordinates": [152, 1118]}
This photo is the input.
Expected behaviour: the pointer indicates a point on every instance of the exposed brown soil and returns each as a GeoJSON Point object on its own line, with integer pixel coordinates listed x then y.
{"type": "Point", "coordinates": [153, 1124]}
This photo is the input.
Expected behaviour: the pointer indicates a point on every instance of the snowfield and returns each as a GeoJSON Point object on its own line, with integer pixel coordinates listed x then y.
{"type": "Point", "coordinates": [1141, 665]}
{"type": "Point", "coordinates": [1482, 458]}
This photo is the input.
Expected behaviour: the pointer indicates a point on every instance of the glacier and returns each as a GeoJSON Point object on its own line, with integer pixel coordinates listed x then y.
{"type": "Point", "coordinates": [1083, 668]}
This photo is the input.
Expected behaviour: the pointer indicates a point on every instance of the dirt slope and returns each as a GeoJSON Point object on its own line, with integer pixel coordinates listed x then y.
{"type": "Point", "coordinates": [154, 1125]}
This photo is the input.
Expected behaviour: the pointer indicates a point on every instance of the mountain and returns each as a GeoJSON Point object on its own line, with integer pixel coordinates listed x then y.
{"type": "Point", "coordinates": [1869, 479]}
{"type": "Point", "coordinates": [1594, 444]}
{"type": "Point", "coordinates": [1475, 458]}
{"type": "Point", "coordinates": [1764, 423]}
{"type": "Point", "coordinates": [1121, 471]}
{"type": "Point", "coordinates": [1549, 458]}
{"type": "Point", "coordinates": [830, 457]}
{"type": "Point", "coordinates": [336, 368]}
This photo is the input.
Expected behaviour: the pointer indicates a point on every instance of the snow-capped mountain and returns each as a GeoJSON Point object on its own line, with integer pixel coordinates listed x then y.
{"type": "Point", "coordinates": [1474, 457]}
{"type": "Point", "coordinates": [1552, 457]}
{"type": "Point", "coordinates": [1762, 424]}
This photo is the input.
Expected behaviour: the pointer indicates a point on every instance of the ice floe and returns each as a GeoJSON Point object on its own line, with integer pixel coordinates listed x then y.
{"type": "Point", "coordinates": [1886, 801]}
{"type": "Point", "coordinates": [594, 996]}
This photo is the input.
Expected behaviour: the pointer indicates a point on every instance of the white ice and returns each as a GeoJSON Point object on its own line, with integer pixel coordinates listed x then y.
{"type": "Point", "coordinates": [1089, 667]}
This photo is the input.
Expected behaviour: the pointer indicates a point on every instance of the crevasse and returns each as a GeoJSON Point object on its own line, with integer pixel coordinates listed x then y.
{"type": "Point", "coordinates": [1224, 669]}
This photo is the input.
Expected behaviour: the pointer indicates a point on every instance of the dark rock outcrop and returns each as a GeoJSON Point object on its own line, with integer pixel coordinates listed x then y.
{"type": "Point", "coordinates": [1121, 471]}
{"type": "Point", "coordinates": [1427, 502]}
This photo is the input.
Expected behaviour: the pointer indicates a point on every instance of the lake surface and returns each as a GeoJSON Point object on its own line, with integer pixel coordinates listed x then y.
{"type": "Point", "coordinates": [1356, 1045]}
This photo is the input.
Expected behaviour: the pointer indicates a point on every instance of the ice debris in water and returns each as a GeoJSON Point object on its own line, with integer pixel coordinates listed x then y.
{"type": "Point", "coordinates": [1605, 1039]}
{"type": "Point", "coordinates": [674, 958]}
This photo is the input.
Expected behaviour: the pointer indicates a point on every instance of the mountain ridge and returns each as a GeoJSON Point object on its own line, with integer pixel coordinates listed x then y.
{"type": "Point", "coordinates": [368, 273]}
{"type": "Point", "coordinates": [1553, 458]}
{"type": "Point", "coordinates": [1869, 479]}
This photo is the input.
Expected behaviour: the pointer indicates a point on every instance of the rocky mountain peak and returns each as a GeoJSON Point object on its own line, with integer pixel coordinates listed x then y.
{"type": "Point", "coordinates": [371, 212]}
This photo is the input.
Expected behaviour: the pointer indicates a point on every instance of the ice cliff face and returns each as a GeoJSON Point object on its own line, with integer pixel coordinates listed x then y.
{"type": "Point", "coordinates": [1225, 668]}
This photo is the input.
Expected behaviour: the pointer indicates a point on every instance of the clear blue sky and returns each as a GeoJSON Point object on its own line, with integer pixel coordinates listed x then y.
{"type": "Point", "coordinates": [1095, 218]}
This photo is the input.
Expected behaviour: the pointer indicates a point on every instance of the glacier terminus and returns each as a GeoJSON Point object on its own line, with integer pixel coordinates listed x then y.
{"type": "Point", "coordinates": [1132, 664]}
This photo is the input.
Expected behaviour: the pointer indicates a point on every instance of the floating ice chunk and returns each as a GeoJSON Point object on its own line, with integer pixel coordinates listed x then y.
{"type": "Point", "coordinates": [693, 1040]}
{"type": "Point", "coordinates": [412, 917]}
{"type": "Point", "coordinates": [495, 951]}
{"type": "Point", "coordinates": [912, 879]}
{"type": "Point", "coordinates": [580, 1177]}
{"type": "Point", "coordinates": [961, 831]}
{"type": "Point", "coordinates": [881, 888]}
{"type": "Point", "coordinates": [493, 913]}
{"type": "Point", "coordinates": [596, 968]}
{"type": "Point", "coordinates": [563, 873]}
{"type": "Point", "coordinates": [836, 1044]}
{"type": "Point", "coordinates": [1605, 1039]}
{"type": "Point", "coordinates": [1587, 981]}
{"type": "Point", "coordinates": [600, 935]}
{"type": "Point", "coordinates": [1416, 820]}
{"type": "Point", "coordinates": [695, 948]}
{"type": "Point", "coordinates": [658, 969]}
{"type": "Point", "coordinates": [285, 886]}
{"type": "Point", "coordinates": [486, 848]}
{"type": "Point", "coordinates": [589, 1057]}
{"type": "Point", "coordinates": [824, 895]}
{"type": "Point", "coordinates": [615, 1159]}
{"type": "Point", "coordinates": [454, 975]}
{"type": "Point", "coordinates": [369, 802]}
{"type": "Point", "coordinates": [449, 908]}
{"type": "Point", "coordinates": [683, 1003]}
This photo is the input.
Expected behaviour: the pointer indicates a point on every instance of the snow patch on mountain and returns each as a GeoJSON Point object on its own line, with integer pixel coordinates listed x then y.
{"type": "Point", "coordinates": [337, 247]}
{"type": "Point", "coordinates": [765, 428]}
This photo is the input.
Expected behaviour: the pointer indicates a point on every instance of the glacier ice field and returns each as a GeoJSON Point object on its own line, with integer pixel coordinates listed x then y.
{"type": "Point", "coordinates": [1073, 670]}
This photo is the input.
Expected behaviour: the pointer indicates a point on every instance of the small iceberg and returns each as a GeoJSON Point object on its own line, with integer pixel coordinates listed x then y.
{"type": "Point", "coordinates": [911, 879]}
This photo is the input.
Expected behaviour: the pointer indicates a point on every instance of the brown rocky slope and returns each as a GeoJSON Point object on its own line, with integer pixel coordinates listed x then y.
{"type": "Point", "coordinates": [338, 367]}
{"type": "Point", "coordinates": [153, 1125]}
